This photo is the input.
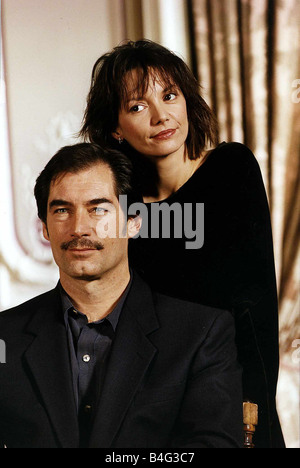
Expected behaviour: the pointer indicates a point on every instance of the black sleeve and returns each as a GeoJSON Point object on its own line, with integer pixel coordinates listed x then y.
{"type": "Point", "coordinates": [211, 413]}
{"type": "Point", "coordinates": [249, 277]}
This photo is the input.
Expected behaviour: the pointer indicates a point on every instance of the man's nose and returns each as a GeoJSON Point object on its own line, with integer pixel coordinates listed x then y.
{"type": "Point", "coordinates": [81, 225]}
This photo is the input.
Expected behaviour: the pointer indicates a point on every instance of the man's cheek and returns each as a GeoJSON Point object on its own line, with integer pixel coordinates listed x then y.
{"type": "Point", "coordinates": [106, 229]}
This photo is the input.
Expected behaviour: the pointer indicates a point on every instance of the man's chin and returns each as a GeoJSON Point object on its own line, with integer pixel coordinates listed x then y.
{"type": "Point", "coordinates": [86, 277]}
{"type": "Point", "coordinates": [82, 274]}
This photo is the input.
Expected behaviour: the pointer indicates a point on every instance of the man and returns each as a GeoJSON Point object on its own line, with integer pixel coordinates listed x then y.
{"type": "Point", "coordinates": [101, 360]}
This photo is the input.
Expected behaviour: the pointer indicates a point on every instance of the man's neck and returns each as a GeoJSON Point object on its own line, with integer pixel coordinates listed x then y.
{"type": "Point", "coordinates": [97, 298]}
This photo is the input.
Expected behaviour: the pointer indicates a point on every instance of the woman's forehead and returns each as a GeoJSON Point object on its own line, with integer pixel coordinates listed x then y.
{"type": "Point", "coordinates": [137, 82]}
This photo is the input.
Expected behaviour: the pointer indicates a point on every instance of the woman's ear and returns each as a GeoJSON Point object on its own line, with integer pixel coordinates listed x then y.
{"type": "Point", "coordinates": [117, 135]}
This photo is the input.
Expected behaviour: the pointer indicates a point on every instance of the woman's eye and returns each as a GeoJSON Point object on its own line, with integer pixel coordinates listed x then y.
{"type": "Point", "coordinates": [137, 108]}
{"type": "Point", "coordinates": [170, 96]}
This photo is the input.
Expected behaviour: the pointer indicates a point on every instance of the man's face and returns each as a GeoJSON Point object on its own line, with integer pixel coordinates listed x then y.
{"type": "Point", "coordinates": [84, 222]}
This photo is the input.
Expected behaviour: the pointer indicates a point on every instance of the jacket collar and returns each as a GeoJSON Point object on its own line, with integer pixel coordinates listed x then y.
{"type": "Point", "coordinates": [48, 360]}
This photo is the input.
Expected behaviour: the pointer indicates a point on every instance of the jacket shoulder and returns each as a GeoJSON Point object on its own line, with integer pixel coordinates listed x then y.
{"type": "Point", "coordinates": [28, 307]}
{"type": "Point", "coordinates": [194, 314]}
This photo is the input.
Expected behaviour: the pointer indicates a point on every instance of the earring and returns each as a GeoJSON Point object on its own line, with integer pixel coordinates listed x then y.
{"type": "Point", "coordinates": [120, 140]}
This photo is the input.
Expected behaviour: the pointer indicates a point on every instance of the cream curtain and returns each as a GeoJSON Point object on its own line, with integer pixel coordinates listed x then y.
{"type": "Point", "coordinates": [247, 57]}
{"type": "Point", "coordinates": [163, 21]}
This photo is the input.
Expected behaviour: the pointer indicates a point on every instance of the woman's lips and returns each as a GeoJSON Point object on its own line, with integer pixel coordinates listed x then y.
{"type": "Point", "coordinates": [165, 134]}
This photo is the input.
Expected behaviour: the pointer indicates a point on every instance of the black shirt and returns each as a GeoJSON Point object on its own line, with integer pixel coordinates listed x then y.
{"type": "Point", "coordinates": [89, 348]}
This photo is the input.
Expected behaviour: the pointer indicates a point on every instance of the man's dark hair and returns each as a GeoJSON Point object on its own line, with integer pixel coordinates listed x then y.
{"type": "Point", "coordinates": [76, 158]}
{"type": "Point", "coordinates": [109, 92]}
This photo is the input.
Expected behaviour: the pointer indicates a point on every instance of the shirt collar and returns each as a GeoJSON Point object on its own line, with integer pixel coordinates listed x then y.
{"type": "Point", "coordinates": [113, 317]}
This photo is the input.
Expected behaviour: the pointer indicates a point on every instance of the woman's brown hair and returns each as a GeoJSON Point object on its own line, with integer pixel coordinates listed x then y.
{"type": "Point", "coordinates": [108, 93]}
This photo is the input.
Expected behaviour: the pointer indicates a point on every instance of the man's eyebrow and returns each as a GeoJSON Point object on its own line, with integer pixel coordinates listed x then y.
{"type": "Point", "coordinates": [95, 201]}
{"type": "Point", "coordinates": [99, 201]}
{"type": "Point", "coordinates": [59, 202]}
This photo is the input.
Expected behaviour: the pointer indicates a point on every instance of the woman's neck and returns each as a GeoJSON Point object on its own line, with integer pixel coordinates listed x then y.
{"type": "Point", "coordinates": [172, 173]}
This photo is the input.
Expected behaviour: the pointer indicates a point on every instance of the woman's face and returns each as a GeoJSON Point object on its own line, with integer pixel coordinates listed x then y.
{"type": "Point", "coordinates": [155, 124]}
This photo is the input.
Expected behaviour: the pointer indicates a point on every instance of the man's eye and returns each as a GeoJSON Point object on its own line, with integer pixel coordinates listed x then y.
{"type": "Point", "coordinates": [100, 211]}
{"type": "Point", "coordinates": [61, 210]}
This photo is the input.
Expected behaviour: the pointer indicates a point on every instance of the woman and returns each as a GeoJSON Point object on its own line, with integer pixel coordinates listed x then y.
{"type": "Point", "coordinates": [145, 100]}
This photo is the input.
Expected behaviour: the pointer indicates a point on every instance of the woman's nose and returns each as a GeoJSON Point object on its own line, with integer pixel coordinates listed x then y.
{"type": "Point", "coordinates": [158, 114]}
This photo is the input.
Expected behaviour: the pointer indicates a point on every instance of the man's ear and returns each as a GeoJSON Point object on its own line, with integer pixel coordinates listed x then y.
{"type": "Point", "coordinates": [134, 225]}
{"type": "Point", "coordinates": [45, 231]}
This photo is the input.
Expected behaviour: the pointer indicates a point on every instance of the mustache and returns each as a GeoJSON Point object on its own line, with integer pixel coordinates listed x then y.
{"type": "Point", "coordinates": [81, 244]}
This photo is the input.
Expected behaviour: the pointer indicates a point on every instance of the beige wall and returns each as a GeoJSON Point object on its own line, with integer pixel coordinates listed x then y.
{"type": "Point", "coordinates": [49, 48]}
{"type": "Point", "coordinates": [49, 51]}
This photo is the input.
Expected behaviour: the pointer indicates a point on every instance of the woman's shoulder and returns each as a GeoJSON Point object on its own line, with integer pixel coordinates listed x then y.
{"type": "Point", "coordinates": [230, 164]}
{"type": "Point", "coordinates": [231, 160]}
{"type": "Point", "coordinates": [233, 154]}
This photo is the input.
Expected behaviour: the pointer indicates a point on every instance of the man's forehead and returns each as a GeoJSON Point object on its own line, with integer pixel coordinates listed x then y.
{"type": "Point", "coordinates": [89, 183]}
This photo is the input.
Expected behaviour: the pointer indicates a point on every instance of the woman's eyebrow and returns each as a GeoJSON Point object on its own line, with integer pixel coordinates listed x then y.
{"type": "Point", "coordinates": [134, 96]}
{"type": "Point", "coordinates": [170, 87]}
{"type": "Point", "coordinates": [138, 97]}
{"type": "Point", "coordinates": [137, 94]}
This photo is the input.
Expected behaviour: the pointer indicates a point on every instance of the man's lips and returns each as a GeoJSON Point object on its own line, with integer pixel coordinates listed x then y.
{"type": "Point", "coordinates": [164, 135]}
{"type": "Point", "coordinates": [81, 246]}
{"type": "Point", "coordinates": [81, 250]}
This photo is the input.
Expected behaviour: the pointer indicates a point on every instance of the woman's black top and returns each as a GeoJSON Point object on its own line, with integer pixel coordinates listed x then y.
{"type": "Point", "coordinates": [233, 270]}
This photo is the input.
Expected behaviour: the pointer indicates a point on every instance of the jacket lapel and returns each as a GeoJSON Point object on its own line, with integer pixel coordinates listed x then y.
{"type": "Point", "coordinates": [48, 360]}
{"type": "Point", "coordinates": [131, 355]}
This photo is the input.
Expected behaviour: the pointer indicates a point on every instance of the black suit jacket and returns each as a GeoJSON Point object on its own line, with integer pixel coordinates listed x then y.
{"type": "Point", "coordinates": [172, 378]}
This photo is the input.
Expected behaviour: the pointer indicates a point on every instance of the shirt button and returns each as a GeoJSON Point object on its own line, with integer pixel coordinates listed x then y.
{"type": "Point", "coordinates": [86, 358]}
